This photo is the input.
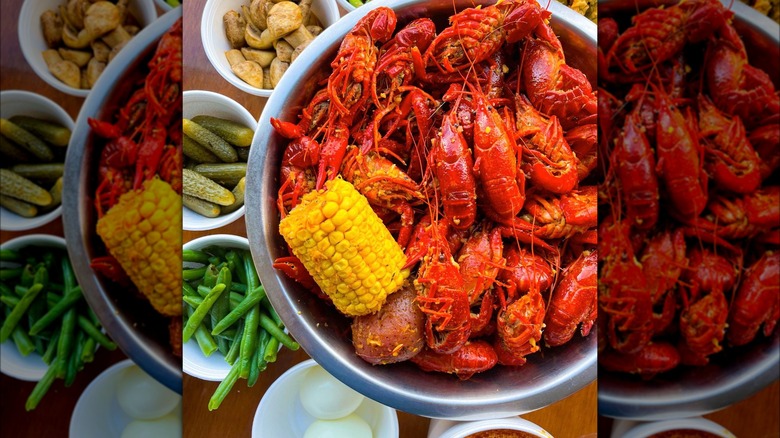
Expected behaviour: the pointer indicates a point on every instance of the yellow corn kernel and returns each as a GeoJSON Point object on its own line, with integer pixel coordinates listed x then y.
{"type": "Point", "coordinates": [136, 233]}
{"type": "Point", "coordinates": [357, 267]}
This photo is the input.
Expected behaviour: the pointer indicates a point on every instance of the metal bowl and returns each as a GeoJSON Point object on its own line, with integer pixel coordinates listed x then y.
{"type": "Point", "coordinates": [732, 375]}
{"type": "Point", "coordinates": [140, 332]}
{"type": "Point", "coordinates": [548, 376]}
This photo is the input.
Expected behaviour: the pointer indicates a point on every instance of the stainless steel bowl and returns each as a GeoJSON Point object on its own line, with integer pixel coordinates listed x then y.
{"type": "Point", "coordinates": [140, 332]}
{"type": "Point", "coordinates": [548, 376]}
{"type": "Point", "coordinates": [737, 373]}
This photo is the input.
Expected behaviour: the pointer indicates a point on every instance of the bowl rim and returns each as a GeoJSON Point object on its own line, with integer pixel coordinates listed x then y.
{"type": "Point", "coordinates": [230, 105]}
{"type": "Point", "coordinates": [28, 51]}
{"type": "Point", "coordinates": [570, 380]}
{"type": "Point", "coordinates": [198, 367]}
{"type": "Point", "coordinates": [299, 368]}
{"type": "Point", "coordinates": [30, 368]}
{"type": "Point", "coordinates": [166, 369]}
{"type": "Point", "coordinates": [455, 429]}
{"type": "Point", "coordinates": [58, 112]}
{"type": "Point", "coordinates": [207, 29]}
{"type": "Point", "coordinates": [671, 401]}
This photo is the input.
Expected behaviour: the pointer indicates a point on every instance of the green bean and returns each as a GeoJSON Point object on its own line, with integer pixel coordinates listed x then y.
{"type": "Point", "coordinates": [6, 290]}
{"type": "Point", "coordinates": [88, 353]}
{"type": "Point", "coordinates": [203, 338]}
{"type": "Point", "coordinates": [10, 273]}
{"type": "Point", "coordinates": [28, 275]}
{"type": "Point", "coordinates": [200, 313]}
{"type": "Point", "coordinates": [194, 273]}
{"type": "Point", "coordinates": [224, 387]}
{"type": "Point", "coordinates": [235, 347]}
{"type": "Point", "coordinates": [271, 350]}
{"type": "Point", "coordinates": [258, 364]}
{"type": "Point", "coordinates": [9, 301]}
{"type": "Point", "coordinates": [23, 342]}
{"type": "Point", "coordinates": [233, 257]}
{"type": "Point", "coordinates": [252, 279]}
{"type": "Point", "coordinates": [194, 302]}
{"type": "Point", "coordinates": [222, 306]}
{"type": "Point", "coordinates": [216, 251]}
{"type": "Point", "coordinates": [272, 312]}
{"type": "Point", "coordinates": [95, 333]}
{"type": "Point", "coordinates": [188, 290]}
{"type": "Point", "coordinates": [194, 256]}
{"type": "Point", "coordinates": [249, 340]}
{"type": "Point", "coordinates": [37, 341]}
{"type": "Point", "coordinates": [41, 388]}
{"type": "Point", "coordinates": [249, 301]}
{"type": "Point", "coordinates": [68, 301]}
{"type": "Point", "coordinates": [238, 287]}
{"type": "Point", "coordinates": [270, 326]}
{"type": "Point", "coordinates": [18, 311]}
{"type": "Point", "coordinates": [10, 255]}
{"type": "Point", "coordinates": [74, 360]}
{"type": "Point", "coordinates": [68, 276]}
{"type": "Point", "coordinates": [210, 276]}
{"type": "Point", "coordinates": [65, 343]}
{"type": "Point", "coordinates": [51, 348]}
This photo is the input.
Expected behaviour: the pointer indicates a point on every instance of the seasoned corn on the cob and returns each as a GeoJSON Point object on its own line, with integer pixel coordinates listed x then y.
{"type": "Point", "coordinates": [345, 247]}
{"type": "Point", "coordinates": [143, 232]}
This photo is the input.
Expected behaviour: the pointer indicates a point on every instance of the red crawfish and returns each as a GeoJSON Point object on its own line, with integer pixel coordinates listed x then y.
{"type": "Point", "coordinates": [442, 295]}
{"type": "Point", "coordinates": [654, 358]}
{"type": "Point", "coordinates": [554, 87]}
{"type": "Point", "coordinates": [663, 261]}
{"type": "Point", "coordinates": [547, 158]}
{"type": "Point", "coordinates": [453, 169]}
{"type": "Point", "coordinates": [574, 301]}
{"type": "Point", "coordinates": [473, 357]}
{"type": "Point", "coordinates": [519, 327]}
{"type": "Point", "coordinates": [729, 157]}
{"type": "Point", "coordinates": [757, 301]}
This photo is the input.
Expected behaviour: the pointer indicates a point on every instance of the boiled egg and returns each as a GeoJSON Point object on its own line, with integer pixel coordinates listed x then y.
{"type": "Point", "coordinates": [142, 397]}
{"type": "Point", "coordinates": [168, 426]}
{"type": "Point", "coordinates": [325, 397]}
{"type": "Point", "coordinates": [351, 426]}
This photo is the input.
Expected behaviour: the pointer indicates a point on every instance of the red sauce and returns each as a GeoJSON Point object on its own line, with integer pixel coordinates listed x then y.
{"type": "Point", "coordinates": [501, 433]}
{"type": "Point", "coordinates": [684, 433]}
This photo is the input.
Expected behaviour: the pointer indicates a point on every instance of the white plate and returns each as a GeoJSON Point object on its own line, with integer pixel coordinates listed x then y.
{"type": "Point", "coordinates": [32, 43]}
{"type": "Point", "coordinates": [198, 102]}
{"type": "Point", "coordinates": [31, 367]}
{"type": "Point", "coordinates": [215, 43]}
{"type": "Point", "coordinates": [281, 414]}
{"type": "Point", "coordinates": [17, 102]}
{"type": "Point", "coordinates": [194, 363]}
{"type": "Point", "coordinates": [97, 413]}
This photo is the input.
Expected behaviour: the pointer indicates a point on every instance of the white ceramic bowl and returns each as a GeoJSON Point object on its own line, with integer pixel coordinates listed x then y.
{"type": "Point", "coordinates": [164, 5]}
{"type": "Point", "coordinates": [439, 428]}
{"type": "Point", "coordinates": [32, 42]}
{"type": "Point", "coordinates": [215, 43]}
{"type": "Point", "coordinates": [635, 429]}
{"type": "Point", "coordinates": [194, 363]}
{"type": "Point", "coordinates": [141, 333]}
{"type": "Point", "coordinates": [281, 414]}
{"type": "Point", "coordinates": [31, 367]}
{"type": "Point", "coordinates": [346, 5]}
{"type": "Point", "coordinates": [17, 102]}
{"type": "Point", "coordinates": [197, 102]}
{"type": "Point", "coordinates": [97, 413]}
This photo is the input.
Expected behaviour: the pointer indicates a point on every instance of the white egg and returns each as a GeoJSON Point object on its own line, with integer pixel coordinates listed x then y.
{"type": "Point", "coordinates": [168, 426]}
{"type": "Point", "coordinates": [351, 426]}
{"type": "Point", "coordinates": [142, 397]}
{"type": "Point", "coordinates": [325, 397]}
